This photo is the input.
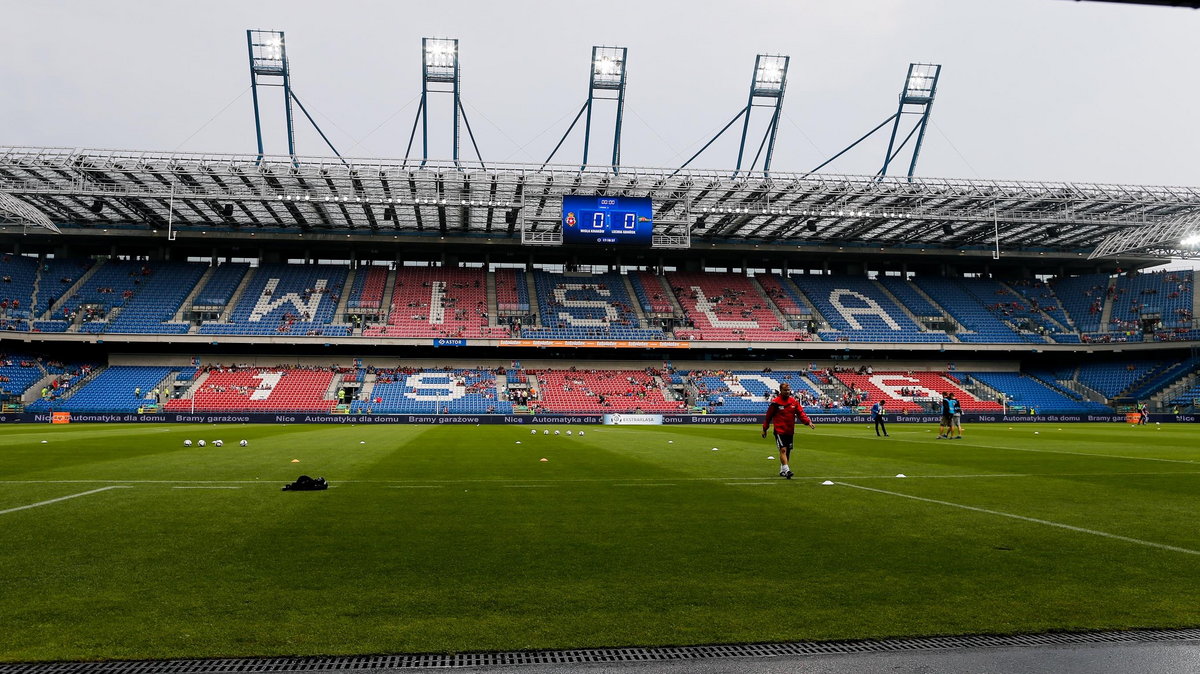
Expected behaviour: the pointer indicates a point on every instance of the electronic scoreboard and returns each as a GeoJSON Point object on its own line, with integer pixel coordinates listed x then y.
{"type": "Point", "coordinates": [619, 221]}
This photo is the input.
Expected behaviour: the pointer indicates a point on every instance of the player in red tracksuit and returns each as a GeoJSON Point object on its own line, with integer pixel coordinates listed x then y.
{"type": "Point", "coordinates": [784, 411]}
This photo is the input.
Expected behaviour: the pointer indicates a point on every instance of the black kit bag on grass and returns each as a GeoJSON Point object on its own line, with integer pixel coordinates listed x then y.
{"type": "Point", "coordinates": [306, 483]}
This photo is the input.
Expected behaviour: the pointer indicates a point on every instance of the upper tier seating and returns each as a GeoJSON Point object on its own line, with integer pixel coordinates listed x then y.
{"type": "Point", "coordinates": [221, 284]}
{"type": "Point", "coordinates": [438, 302]}
{"type": "Point", "coordinates": [907, 292]}
{"type": "Point", "coordinates": [748, 391]}
{"type": "Point", "coordinates": [417, 391]}
{"type": "Point", "coordinates": [259, 390]}
{"type": "Point", "coordinates": [512, 291]}
{"type": "Point", "coordinates": [130, 297]}
{"type": "Point", "coordinates": [980, 324]}
{"type": "Point", "coordinates": [286, 300]}
{"type": "Point", "coordinates": [784, 297]}
{"type": "Point", "coordinates": [368, 289]}
{"type": "Point", "coordinates": [726, 307]}
{"type": "Point", "coordinates": [56, 277]}
{"type": "Point", "coordinates": [585, 306]}
{"type": "Point", "coordinates": [1011, 307]}
{"type": "Point", "coordinates": [1167, 293]}
{"type": "Point", "coordinates": [601, 392]}
{"type": "Point", "coordinates": [17, 274]}
{"type": "Point", "coordinates": [115, 389]}
{"type": "Point", "coordinates": [1082, 298]}
{"type": "Point", "coordinates": [138, 297]}
{"type": "Point", "coordinates": [858, 311]}
{"type": "Point", "coordinates": [1040, 296]}
{"type": "Point", "coordinates": [152, 304]}
{"type": "Point", "coordinates": [651, 293]}
{"type": "Point", "coordinates": [1025, 391]}
{"type": "Point", "coordinates": [913, 392]}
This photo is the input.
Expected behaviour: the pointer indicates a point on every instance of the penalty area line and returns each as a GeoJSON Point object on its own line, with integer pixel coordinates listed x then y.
{"type": "Point", "coordinates": [61, 498]}
{"type": "Point", "coordinates": [1060, 525]}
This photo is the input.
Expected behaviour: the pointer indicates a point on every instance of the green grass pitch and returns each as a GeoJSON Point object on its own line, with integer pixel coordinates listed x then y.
{"type": "Point", "coordinates": [437, 539]}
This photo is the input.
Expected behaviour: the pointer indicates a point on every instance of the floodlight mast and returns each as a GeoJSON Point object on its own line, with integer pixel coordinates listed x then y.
{"type": "Point", "coordinates": [920, 86]}
{"type": "Point", "coordinates": [607, 74]}
{"type": "Point", "coordinates": [268, 58]}
{"type": "Point", "coordinates": [770, 82]}
{"type": "Point", "coordinates": [440, 68]}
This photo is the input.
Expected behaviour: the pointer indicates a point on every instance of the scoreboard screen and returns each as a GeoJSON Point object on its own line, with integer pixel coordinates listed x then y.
{"type": "Point", "coordinates": [607, 221]}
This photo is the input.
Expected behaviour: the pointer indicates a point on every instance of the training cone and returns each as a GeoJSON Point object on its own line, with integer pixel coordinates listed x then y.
{"type": "Point", "coordinates": [770, 458]}
{"type": "Point", "coordinates": [295, 460]}
{"type": "Point", "coordinates": [901, 475]}
{"type": "Point", "coordinates": [827, 482]}
{"type": "Point", "coordinates": [543, 459]}
{"type": "Point", "coordinates": [715, 449]}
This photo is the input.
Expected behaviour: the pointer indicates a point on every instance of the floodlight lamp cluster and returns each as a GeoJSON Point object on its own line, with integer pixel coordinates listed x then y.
{"type": "Point", "coordinates": [921, 79]}
{"type": "Point", "coordinates": [440, 52]}
{"type": "Point", "coordinates": [267, 51]}
{"type": "Point", "coordinates": [608, 66]}
{"type": "Point", "coordinates": [770, 73]}
{"type": "Point", "coordinates": [605, 66]}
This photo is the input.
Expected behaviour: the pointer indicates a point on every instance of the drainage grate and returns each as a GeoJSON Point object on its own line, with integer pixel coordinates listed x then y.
{"type": "Point", "coordinates": [374, 663]}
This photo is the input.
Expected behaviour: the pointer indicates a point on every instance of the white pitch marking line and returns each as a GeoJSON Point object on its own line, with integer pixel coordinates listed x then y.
{"type": "Point", "coordinates": [646, 484]}
{"type": "Point", "coordinates": [61, 498]}
{"type": "Point", "coordinates": [750, 484]}
{"type": "Point", "coordinates": [206, 487]}
{"type": "Point", "coordinates": [415, 486]}
{"type": "Point", "coordinates": [526, 486]}
{"type": "Point", "coordinates": [1127, 539]}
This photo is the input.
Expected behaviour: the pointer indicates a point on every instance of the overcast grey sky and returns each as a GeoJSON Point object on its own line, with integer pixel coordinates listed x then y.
{"type": "Point", "coordinates": [1030, 89]}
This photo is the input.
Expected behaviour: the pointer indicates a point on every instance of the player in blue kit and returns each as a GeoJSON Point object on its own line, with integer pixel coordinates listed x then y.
{"type": "Point", "coordinates": [877, 412]}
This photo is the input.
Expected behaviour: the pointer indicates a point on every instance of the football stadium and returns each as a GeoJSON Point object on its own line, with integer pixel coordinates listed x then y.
{"type": "Point", "coordinates": [544, 408]}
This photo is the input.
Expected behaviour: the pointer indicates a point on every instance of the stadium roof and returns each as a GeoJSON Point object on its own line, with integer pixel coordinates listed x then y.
{"type": "Point", "coordinates": [85, 189]}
